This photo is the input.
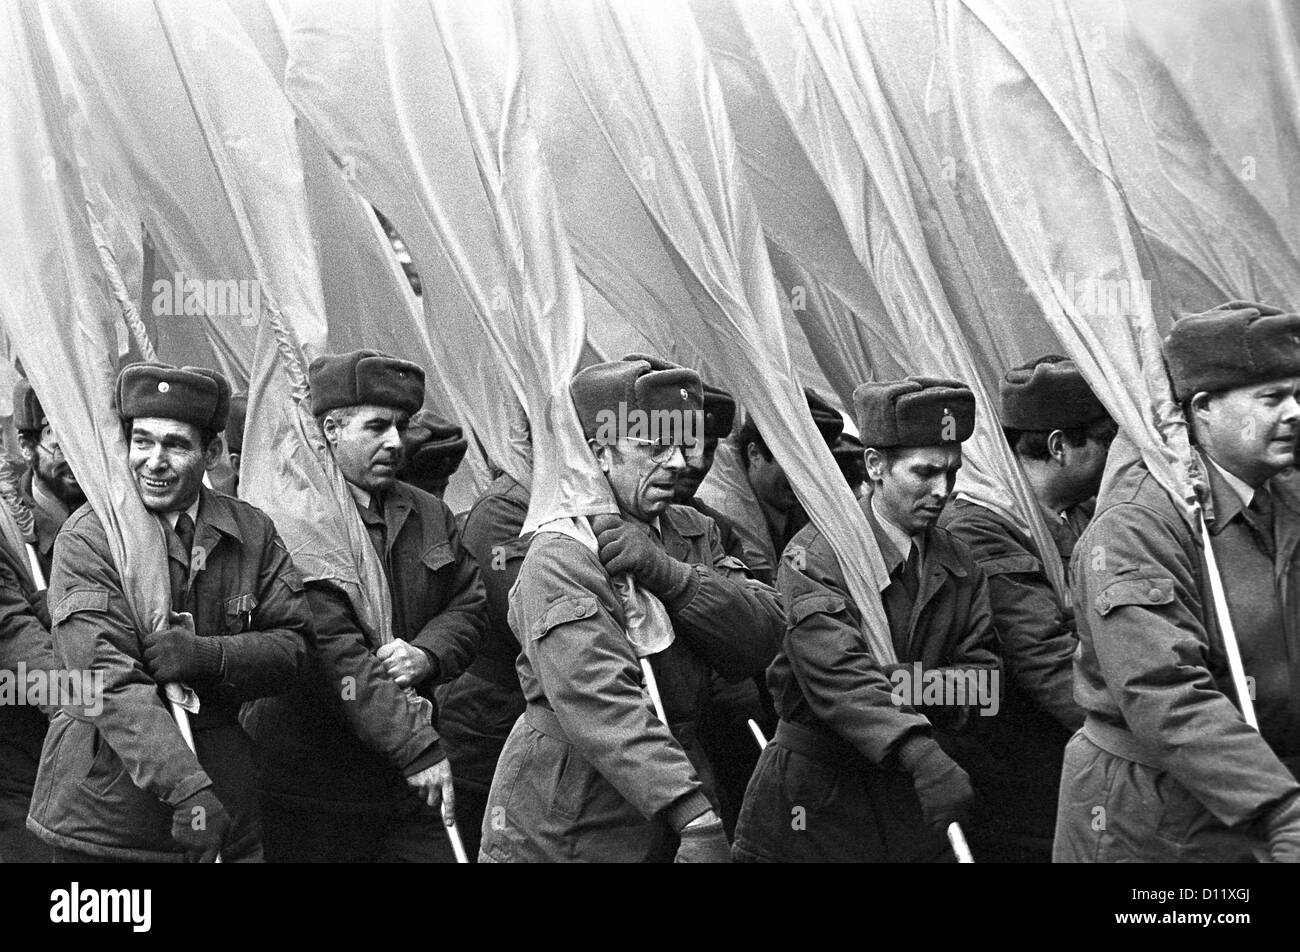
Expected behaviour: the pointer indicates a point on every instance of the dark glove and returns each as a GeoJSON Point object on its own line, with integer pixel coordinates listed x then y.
{"type": "Point", "coordinates": [177, 654]}
{"type": "Point", "coordinates": [704, 843]}
{"type": "Point", "coordinates": [1283, 826]}
{"type": "Point", "coordinates": [200, 825]}
{"type": "Point", "coordinates": [942, 787]}
{"type": "Point", "coordinates": [623, 547]}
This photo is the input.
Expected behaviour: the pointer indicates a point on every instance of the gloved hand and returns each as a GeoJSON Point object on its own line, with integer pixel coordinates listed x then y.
{"type": "Point", "coordinates": [177, 654]}
{"type": "Point", "coordinates": [200, 825]}
{"type": "Point", "coordinates": [942, 787]}
{"type": "Point", "coordinates": [624, 547]}
{"type": "Point", "coordinates": [1282, 824]}
{"type": "Point", "coordinates": [703, 841]}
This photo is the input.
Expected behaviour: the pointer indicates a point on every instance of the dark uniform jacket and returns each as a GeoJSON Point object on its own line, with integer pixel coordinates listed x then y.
{"type": "Point", "coordinates": [1025, 741]}
{"type": "Point", "coordinates": [731, 543]}
{"type": "Point", "coordinates": [25, 646]}
{"type": "Point", "coordinates": [346, 736]}
{"type": "Point", "coordinates": [479, 708]}
{"type": "Point", "coordinates": [108, 782]}
{"type": "Point", "coordinates": [589, 771]}
{"type": "Point", "coordinates": [829, 787]}
{"type": "Point", "coordinates": [1165, 754]}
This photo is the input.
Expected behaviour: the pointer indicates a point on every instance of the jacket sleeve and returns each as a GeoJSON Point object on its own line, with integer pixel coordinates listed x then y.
{"type": "Point", "coordinates": [1035, 631]}
{"type": "Point", "coordinates": [733, 622]}
{"type": "Point", "coordinates": [591, 677]}
{"type": "Point", "coordinates": [1143, 613]}
{"type": "Point", "coordinates": [379, 712]}
{"type": "Point", "coordinates": [23, 636]}
{"type": "Point", "coordinates": [843, 683]}
{"type": "Point", "coordinates": [974, 650]}
{"type": "Point", "coordinates": [93, 631]}
{"type": "Point", "coordinates": [492, 538]}
{"type": "Point", "coordinates": [264, 661]}
{"type": "Point", "coordinates": [453, 634]}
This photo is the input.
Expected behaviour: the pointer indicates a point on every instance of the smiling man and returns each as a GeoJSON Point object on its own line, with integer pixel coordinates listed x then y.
{"type": "Point", "coordinates": [856, 772]}
{"type": "Point", "coordinates": [351, 765]}
{"type": "Point", "coordinates": [121, 783]}
{"type": "Point", "coordinates": [49, 487]}
{"type": "Point", "coordinates": [589, 772]}
{"type": "Point", "coordinates": [1166, 769]}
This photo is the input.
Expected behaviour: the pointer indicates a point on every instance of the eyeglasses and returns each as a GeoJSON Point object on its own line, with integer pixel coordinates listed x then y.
{"type": "Point", "coordinates": [662, 452]}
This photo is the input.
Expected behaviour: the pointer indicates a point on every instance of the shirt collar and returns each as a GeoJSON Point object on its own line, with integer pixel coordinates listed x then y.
{"type": "Point", "coordinates": [193, 510]}
{"type": "Point", "coordinates": [362, 496]}
{"type": "Point", "coordinates": [1243, 489]}
{"type": "Point", "coordinates": [901, 541]}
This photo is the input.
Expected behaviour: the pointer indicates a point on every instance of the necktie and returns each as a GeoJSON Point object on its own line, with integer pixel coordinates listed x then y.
{"type": "Point", "coordinates": [908, 573]}
{"type": "Point", "coordinates": [184, 530]}
{"type": "Point", "coordinates": [1261, 510]}
{"type": "Point", "coordinates": [376, 527]}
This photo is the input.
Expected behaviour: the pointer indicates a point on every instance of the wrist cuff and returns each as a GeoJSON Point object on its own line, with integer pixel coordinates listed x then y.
{"type": "Point", "coordinates": [209, 658]}
{"type": "Point", "coordinates": [915, 749]}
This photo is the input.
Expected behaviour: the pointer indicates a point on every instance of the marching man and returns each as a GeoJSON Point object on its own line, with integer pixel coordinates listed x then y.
{"type": "Point", "coordinates": [856, 772]}
{"type": "Point", "coordinates": [1165, 768]}
{"type": "Point", "coordinates": [117, 780]}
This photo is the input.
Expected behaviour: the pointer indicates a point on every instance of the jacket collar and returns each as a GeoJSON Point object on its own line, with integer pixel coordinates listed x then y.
{"type": "Point", "coordinates": [216, 518]}
{"type": "Point", "coordinates": [678, 530]}
{"type": "Point", "coordinates": [1225, 502]}
{"type": "Point", "coordinates": [397, 505]}
{"type": "Point", "coordinates": [937, 549]}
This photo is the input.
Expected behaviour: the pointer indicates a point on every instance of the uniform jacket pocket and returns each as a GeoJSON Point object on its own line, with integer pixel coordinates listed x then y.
{"type": "Point", "coordinates": [437, 556]}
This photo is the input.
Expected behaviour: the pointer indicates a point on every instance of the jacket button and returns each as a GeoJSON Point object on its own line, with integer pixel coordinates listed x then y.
{"type": "Point", "coordinates": [1155, 594]}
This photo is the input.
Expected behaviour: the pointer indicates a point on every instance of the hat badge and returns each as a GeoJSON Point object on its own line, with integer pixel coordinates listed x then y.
{"type": "Point", "coordinates": [163, 386]}
{"type": "Point", "coordinates": [685, 395]}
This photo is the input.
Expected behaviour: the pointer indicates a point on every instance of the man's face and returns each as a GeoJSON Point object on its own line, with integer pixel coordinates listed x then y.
{"type": "Point", "coordinates": [696, 468]}
{"type": "Point", "coordinates": [368, 446]}
{"type": "Point", "coordinates": [168, 460]}
{"type": "Point", "coordinates": [1250, 431]}
{"type": "Point", "coordinates": [46, 458]}
{"type": "Point", "coordinates": [769, 482]}
{"type": "Point", "coordinates": [643, 476]}
{"type": "Point", "coordinates": [912, 490]}
{"type": "Point", "coordinates": [1085, 465]}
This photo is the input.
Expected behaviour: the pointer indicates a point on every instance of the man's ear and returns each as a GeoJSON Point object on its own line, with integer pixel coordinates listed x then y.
{"type": "Point", "coordinates": [875, 462]}
{"type": "Point", "coordinates": [330, 427]}
{"type": "Point", "coordinates": [1200, 403]}
{"type": "Point", "coordinates": [1056, 446]}
{"type": "Point", "coordinates": [602, 454]}
{"type": "Point", "coordinates": [212, 452]}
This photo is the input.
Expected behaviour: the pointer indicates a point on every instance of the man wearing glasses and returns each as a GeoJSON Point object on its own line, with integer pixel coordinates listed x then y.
{"type": "Point", "coordinates": [590, 772]}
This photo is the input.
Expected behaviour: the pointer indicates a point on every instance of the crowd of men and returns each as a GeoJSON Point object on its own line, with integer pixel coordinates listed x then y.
{"type": "Point", "coordinates": [688, 679]}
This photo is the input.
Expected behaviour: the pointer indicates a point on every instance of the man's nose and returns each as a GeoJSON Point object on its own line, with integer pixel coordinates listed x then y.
{"type": "Point", "coordinates": [676, 460]}
{"type": "Point", "coordinates": [1291, 409]}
